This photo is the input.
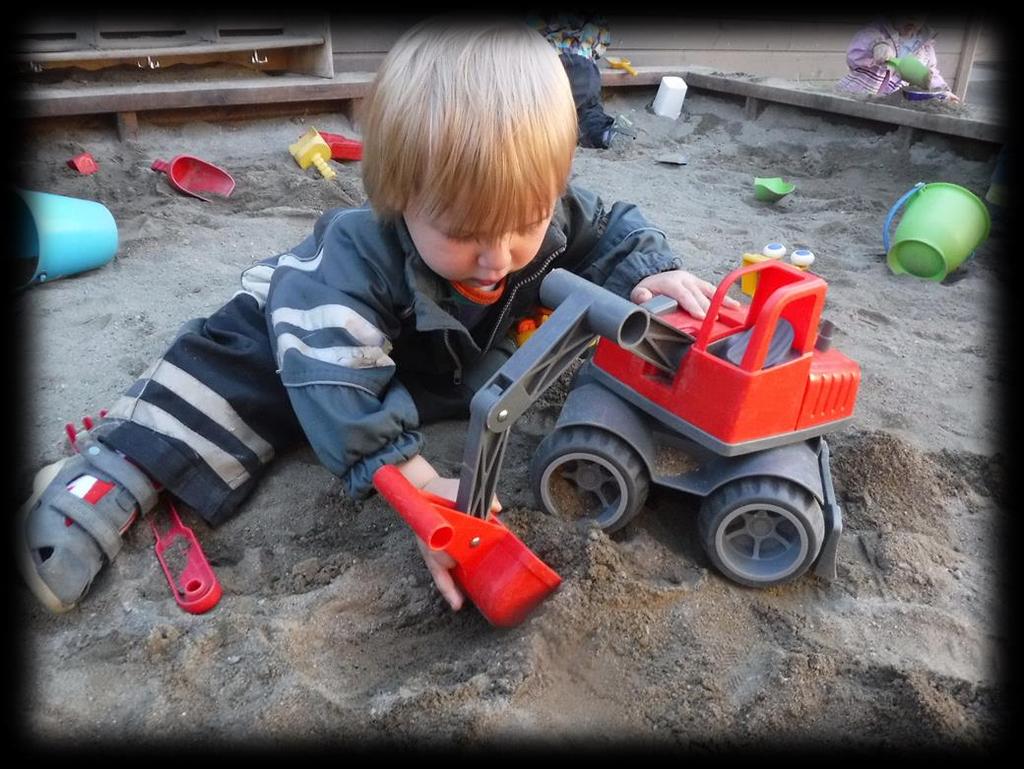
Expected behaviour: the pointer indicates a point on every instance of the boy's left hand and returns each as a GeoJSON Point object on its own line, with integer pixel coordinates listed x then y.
{"type": "Point", "coordinates": [692, 293]}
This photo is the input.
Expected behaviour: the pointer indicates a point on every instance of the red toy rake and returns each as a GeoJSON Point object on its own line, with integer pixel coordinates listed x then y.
{"type": "Point", "coordinates": [193, 583]}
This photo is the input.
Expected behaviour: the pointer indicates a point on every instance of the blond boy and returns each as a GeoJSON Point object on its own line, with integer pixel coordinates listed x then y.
{"type": "Point", "coordinates": [386, 317]}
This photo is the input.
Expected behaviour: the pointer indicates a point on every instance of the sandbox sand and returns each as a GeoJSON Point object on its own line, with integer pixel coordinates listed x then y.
{"type": "Point", "coordinates": [330, 630]}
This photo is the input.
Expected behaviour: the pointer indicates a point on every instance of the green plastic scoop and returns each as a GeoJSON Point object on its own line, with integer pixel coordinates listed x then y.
{"type": "Point", "coordinates": [771, 188]}
{"type": "Point", "coordinates": [912, 69]}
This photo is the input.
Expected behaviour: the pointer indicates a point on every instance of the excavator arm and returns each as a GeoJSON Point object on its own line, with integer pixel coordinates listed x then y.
{"type": "Point", "coordinates": [498, 573]}
{"type": "Point", "coordinates": [582, 310]}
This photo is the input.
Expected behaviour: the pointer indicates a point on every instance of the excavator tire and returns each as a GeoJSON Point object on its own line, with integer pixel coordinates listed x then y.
{"type": "Point", "coordinates": [761, 531]}
{"type": "Point", "coordinates": [585, 473]}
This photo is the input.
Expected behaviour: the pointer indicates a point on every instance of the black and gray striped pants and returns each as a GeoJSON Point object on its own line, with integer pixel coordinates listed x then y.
{"type": "Point", "coordinates": [206, 418]}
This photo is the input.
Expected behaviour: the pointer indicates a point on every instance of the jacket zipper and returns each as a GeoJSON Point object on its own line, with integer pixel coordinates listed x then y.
{"type": "Point", "coordinates": [512, 294]}
{"type": "Point", "coordinates": [457, 374]}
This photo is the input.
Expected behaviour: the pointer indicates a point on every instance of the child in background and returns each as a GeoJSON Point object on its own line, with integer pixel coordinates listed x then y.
{"type": "Point", "coordinates": [875, 44]}
{"type": "Point", "coordinates": [385, 317]}
{"type": "Point", "coordinates": [580, 42]}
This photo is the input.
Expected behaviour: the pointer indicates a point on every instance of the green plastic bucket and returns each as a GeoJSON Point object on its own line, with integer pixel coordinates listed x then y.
{"type": "Point", "coordinates": [60, 236]}
{"type": "Point", "coordinates": [941, 226]}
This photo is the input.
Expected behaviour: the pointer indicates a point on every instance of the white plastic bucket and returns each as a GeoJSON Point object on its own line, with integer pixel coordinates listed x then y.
{"type": "Point", "coordinates": [669, 101]}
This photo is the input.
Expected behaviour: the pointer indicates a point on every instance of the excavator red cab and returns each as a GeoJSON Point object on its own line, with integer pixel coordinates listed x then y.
{"type": "Point", "coordinates": [753, 376]}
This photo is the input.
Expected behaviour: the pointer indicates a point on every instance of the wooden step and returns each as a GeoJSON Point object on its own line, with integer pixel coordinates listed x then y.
{"type": "Point", "coordinates": [60, 100]}
{"type": "Point", "coordinates": [236, 44]}
{"type": "Point", "coordinates": [268, 43]}
{"type": "Point", "coordinates": [55, 101]}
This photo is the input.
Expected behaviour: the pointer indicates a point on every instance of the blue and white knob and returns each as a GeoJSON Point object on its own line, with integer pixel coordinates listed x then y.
{"type": "Point", "coordinates": [801, 257]}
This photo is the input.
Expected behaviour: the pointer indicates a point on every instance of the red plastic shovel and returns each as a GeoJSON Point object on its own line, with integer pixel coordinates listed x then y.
{"type": "Point", "coordinates": [500, 574]}
{"type": "Point", "coordinates": [195, 177]}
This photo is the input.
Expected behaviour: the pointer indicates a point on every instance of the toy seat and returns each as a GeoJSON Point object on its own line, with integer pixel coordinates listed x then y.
{"type": "Point", "coordinates": [779, 350]}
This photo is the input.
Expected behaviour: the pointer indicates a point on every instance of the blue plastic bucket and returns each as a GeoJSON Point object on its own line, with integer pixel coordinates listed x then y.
{"type": "Point", "coordinates": [60, 236]}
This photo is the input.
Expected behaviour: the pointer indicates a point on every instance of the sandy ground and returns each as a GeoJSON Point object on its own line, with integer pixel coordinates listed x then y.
{"type": "Point", "coordinates": [330, 628]}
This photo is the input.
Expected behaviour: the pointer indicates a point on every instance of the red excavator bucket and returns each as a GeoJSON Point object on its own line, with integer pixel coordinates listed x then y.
{"type": "Point", "coordinates": [194, 176]}
{"type": "Point", "coordinates": [501, 575]}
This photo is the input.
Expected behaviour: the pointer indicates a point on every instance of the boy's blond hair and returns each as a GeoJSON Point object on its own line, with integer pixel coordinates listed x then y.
{"type": "Point", "coordinates": [472, 123]}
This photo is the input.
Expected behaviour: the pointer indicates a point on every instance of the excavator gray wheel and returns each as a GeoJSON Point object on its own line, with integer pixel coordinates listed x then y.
{"type": "Point", "coordinates": [761, 531]}
{"type": "Point", "coordinates": [585, 473]}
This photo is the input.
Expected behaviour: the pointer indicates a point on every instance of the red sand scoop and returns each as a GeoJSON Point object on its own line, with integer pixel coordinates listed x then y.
{"type": "Point", "coordinates": [342, 148]}
{"type": "Point", "coordinates": [501, 576]}
{"type": "Point", "coordinates": [196, 177]}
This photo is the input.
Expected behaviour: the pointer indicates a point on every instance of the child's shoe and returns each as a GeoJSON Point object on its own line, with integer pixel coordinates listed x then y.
{"type": "Point", "coordinates": [79, 508]}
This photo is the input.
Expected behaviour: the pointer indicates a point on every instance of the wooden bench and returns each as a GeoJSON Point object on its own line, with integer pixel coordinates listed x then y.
{"type": "Point", "coordinates": [54, 101]}
{"type": "Point", "coordinates": [126, 101]}
{"type": "Point", "coordinates": [981, 126]}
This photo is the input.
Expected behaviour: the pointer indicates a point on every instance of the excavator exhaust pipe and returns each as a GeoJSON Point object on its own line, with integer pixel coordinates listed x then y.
{"type": "Point", "coordinates": [609, 315]}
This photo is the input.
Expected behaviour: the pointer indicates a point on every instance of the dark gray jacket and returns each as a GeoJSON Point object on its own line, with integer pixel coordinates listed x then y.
{"type": "Point", "coordinates": [365, 336]}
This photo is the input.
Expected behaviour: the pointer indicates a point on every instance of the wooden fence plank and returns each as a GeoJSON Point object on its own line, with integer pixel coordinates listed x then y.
{"type": "Point", "coordinates": [963, 71]}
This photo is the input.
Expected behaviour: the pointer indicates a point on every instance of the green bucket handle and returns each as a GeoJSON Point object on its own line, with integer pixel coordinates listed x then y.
{"type": "Point", "coordinates": [895, 210]}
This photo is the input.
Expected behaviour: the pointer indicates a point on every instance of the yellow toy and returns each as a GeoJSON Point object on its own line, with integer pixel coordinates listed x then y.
{"type": "Point", "coordinates": [526, 327]}
{"type": "Point", "coordinates": [748, 283]}
{"type": "Point", "coordinates": [312, 149]}
{"type": "Point", "coordinates": [616, 62]}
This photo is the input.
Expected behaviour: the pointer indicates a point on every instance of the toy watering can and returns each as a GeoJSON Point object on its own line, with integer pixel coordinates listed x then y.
{"type": "Point", "coordinates": [942, 225]}
{"type": "Point", "coordinates": [912, 69]}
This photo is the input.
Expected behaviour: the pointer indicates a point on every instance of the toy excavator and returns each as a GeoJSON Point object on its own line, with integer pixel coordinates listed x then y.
{"type": "Point", "coordinates": [731, 408]}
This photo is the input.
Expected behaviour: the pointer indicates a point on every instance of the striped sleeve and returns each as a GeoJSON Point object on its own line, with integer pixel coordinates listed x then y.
{"type": "Point", "coordinates": [332, 350]}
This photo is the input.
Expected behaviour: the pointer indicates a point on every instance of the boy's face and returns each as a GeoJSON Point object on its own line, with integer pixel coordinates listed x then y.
{"type": "Point", "coordinates": [471, 261]}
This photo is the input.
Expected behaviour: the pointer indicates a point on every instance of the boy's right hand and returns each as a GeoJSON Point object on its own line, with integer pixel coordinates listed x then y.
{"type": "Point", "coordinates": [438, 564]}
